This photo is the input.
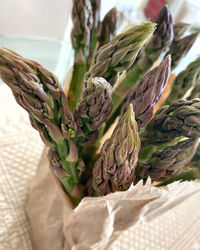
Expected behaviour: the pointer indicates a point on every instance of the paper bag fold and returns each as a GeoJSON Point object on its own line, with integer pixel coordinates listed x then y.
{"type": "Point", "coordinates": [96, 222]}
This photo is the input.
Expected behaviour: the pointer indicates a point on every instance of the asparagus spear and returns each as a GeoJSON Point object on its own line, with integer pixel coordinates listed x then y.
{"type": "Point", "coordinates": [184, 81]}
{"type": "Point", "coordinates": [92, 109]}
{"type": "Point", "coordinates": [148, 92]}
{"type": "Point", "coordinates": [115, 168]}
{"type": "Point", "coordinates": [179, 48]}
{"type": "Point", "coordinates": [160, 40]}
{"type": "Point", "coordinates": [96, 4]}
{"type": "Point", "coordinates": [109, 27]}
{"type": "Point", "coordinates": [39, 93]}
{"type": "Point", "coordinates": [182, 118]}
{"type": "Point", "coordinates": [82, 17]}
{"type": "Point", "coordinates": [120, 53]}
{"type": "Point", "coordinates": [179, 30]}
{"type": "Point", "coordinates": [195, 93]}
{"type": "Point", "coordinates": [169, 162]}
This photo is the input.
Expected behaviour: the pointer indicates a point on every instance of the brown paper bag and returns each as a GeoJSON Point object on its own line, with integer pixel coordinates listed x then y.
{"type": "Point", "coordinates": [96, 222]}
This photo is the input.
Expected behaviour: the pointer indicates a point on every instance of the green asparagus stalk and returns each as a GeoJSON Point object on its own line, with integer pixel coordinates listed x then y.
{"type": "Point", "coordinates": [184, 81]}
{"type": "Point", "coordinates": [82, 17]}
{"type": "Point", "coordinates": [169, 162]}
{"type": "Point", "coordinates": [92, 109]}
{"type": "Point", "coordinates": [120, 53]}
{"type": "Point", "coordinates": [114, 170]}
{"type": "Point", "coordinates": [40, 94]}
{"type": "Point", "coordinates": [182, 118]}
{"type": "Point", "coordinates": [160, 40]}
{"type": "Point", "coordinates": [148, 92]}
{"type": "Point", "coordinates": [179, 30]}
{"type": "Point", "coordinates": [179, 48]}
{"type": "Point", "coordinates": [109, 27]}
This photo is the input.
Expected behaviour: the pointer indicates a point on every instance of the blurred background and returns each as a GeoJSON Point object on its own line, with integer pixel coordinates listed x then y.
{"type": "Point", "coordinates": [40, 30]}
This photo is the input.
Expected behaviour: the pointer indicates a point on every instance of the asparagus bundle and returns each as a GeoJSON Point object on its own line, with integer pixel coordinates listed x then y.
{"type": "Point", "coordinates": [73, 131]}
{"type": "Point", "coordinates": [114, 170]}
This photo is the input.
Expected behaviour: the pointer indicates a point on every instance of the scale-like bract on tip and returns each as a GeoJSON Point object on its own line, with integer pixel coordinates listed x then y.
{"type": "Point", "coordinates": [162, 36]}
{"type": "Point", "coordinates": [109, 26]}
{"type": "Point", "coordinates": [182, 118]}
{"type": "Point", "coordinates": [82, 17]}
{"type": "Point", "coordinates": [184, 81]}
{"type": "Point", "coordinates": [120, 53]}
{"type": "Point", "coordinates": [114, 170]}
{"type": "Point", "coordinates": [93, 108]}
{"type": "Point", "coordinates": [148, 92]}
{"type": "Point", "coordinates": [180, 29]}
{"type": "Point", "coordinates": [169, 162]}
{"type": "Point", "coordinates": [180, 48]}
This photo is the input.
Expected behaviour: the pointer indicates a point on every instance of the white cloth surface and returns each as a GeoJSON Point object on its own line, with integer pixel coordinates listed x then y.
{"type": "Point", "coordinates": [20, 151]}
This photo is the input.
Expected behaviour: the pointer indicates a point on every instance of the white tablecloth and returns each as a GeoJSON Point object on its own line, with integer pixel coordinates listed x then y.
{"type": "Point", "coordinates": [20, 150]}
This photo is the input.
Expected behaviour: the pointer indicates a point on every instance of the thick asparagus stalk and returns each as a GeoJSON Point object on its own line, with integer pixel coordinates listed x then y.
{"type": "Point", "coordinates": [115, 168]}
{"type": "Point", "coordinates": [179, 48]}
{"type": "Point", "coordinates": [148, 92]}
{"type": "Point", "coordinates": [39, 93]}
{"type": "Point", "coordinates": [82, 17]}
{"type": "Point", "coordinates": [160, 40]}
{"type": "Point", "coordinates": [169, 162]}
{"type": "Point", "coordinates": [179, 30]}
{"type": "Point", "coordinates": [184, 81]}
{"type": "Point", "coordinates": [109, 27]}
{"type": "Point", "coordinates": [92, 109]}
{"type": "Point", "coordinates": [182, 118]}
{"type": "Point", "coordinates": [120, 53]}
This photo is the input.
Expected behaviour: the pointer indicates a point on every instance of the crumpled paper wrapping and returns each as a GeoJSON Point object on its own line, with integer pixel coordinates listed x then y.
{"type": "Point", "coordinates": [96, 222]}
